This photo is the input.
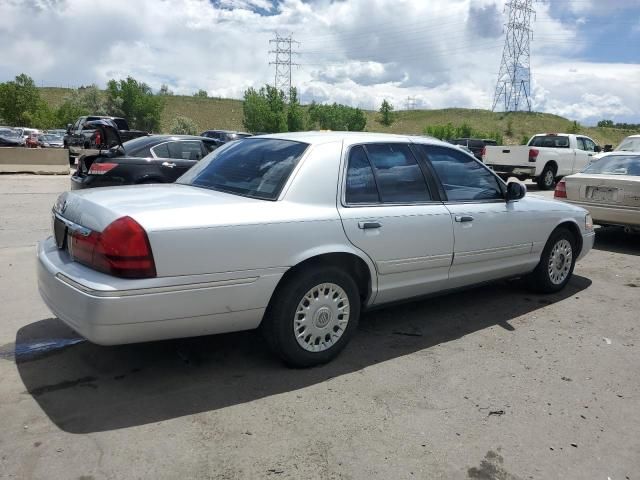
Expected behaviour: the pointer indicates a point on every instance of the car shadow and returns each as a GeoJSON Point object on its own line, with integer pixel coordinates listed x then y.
{"type": "Point", "coordinates": [616, 240]}
{"type": "Point", "coordinates": [85, 388]}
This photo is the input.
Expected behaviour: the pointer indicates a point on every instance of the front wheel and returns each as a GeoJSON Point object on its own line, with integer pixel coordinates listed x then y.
{"type": "Point", "coordinates": [556, 263]}
{"type": "Point", "coordinates": [312, 316]}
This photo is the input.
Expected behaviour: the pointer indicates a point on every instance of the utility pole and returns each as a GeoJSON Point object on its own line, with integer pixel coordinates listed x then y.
{"type": "Point", "coordinates": [513, 90]}
{"type": "Point", "coordinates": [411, 103]}
{"type": "Point", "coordinates": [282, 48]}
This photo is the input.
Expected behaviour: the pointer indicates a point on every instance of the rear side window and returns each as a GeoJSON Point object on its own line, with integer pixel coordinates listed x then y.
{"type": "Point", "coordinates": [257, 168]}
{"type": "Point", "coordinates": [463, 177]}
{"type": "Point", "coordinates": [161, 151]}
{"type": "Point", "coordinates": [551, 141]}
{"type": "Point", "coordinates": [361, 185]}
{"type": "Point", "coordinates": [398, 175]}
{"type": "Point", "coordinates": [185, 150]}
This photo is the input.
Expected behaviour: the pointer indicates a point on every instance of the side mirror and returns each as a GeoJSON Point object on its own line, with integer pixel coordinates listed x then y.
{"type": "Point", "coordinates": [597, 149]}
{"type": "Point", "coordinates": [515, 191]}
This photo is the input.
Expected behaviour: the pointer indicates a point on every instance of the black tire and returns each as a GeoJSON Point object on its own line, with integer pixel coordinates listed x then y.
{"type": "Point", "coordinates": [540, 280]}
{"type": "Point", "coordinates": [547, 179]}
{"type": "Point", "coordinates": [278, 323]}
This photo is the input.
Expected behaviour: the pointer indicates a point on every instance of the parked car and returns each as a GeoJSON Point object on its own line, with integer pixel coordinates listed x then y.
{"type": "Point", "coordinates": [32, 140]}
{"type": "Point", "coordinates": [224, 135]}
{"type": "Point", "coordinates": [476, 145]}
{"type": "Point", "coordinates": [81, 137]}
{"type": "Point", "coordinates": [629, 144]}
{"type": "Point", "coordinates": [60, 132]}
{"type": "Point", "coordinates": [49, 140]}
{"type": "Point", "coordinates": [546, 158]}
{"type": "Point", "coordinates": [608, 188]}
{"type": "Point", "coordinates": [25, 132]}
{"type": "Point", "coordinates": [10, 138]}
{"type": "Point", "coordinates": [151, 159]}
{"type": "Point", "coordinates": [297, 233]}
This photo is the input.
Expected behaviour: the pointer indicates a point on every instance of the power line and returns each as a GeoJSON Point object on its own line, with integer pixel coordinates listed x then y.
{"type": "Point", "coordinates": [283, 50]}
{"type": "Point", "coordinates": [513, 88]}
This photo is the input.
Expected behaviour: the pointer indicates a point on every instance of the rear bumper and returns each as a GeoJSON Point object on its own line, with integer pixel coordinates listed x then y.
{"type": "Point", "coordinates": [108, 314]}
{"type": "Point", "coordinates": [607, 215]}
{"type": "Point", "coordinates": [79, 182]}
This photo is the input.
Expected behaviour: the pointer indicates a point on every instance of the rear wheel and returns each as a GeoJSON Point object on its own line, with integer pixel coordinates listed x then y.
{"type": "Point", "coordinates": [312, 316]}
{"type": "Point", "coordinates": [556, 263]}
{"type": "Point", "coordinates": [547, 180]}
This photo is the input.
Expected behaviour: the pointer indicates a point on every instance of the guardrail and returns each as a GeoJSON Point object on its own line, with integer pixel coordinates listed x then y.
{"type": "Point", "coordinates": [51, 161]}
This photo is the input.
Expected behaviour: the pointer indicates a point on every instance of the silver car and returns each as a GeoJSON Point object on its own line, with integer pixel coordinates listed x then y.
{"type": "Point", "coordinates": [609, 189]}
{"type": "Point", "coordinates": [297, 234]}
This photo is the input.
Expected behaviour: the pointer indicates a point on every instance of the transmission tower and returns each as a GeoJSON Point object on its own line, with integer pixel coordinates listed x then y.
{"type": "Point", "coordinates": [282, 48]}
{"type": "Point", "coordinates": [513, 90]}
{"type": "Point", "coordinates": [411, 103]}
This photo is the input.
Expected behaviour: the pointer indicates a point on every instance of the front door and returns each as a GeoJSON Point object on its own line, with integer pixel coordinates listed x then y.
{"type": "Point", "coordinates": [492, 236]}
{"type": "Point", "coordinates": [390, 212]}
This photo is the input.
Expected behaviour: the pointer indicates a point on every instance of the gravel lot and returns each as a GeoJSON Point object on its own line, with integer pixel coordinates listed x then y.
{"type": "Point", "coordinates": [492, 383]}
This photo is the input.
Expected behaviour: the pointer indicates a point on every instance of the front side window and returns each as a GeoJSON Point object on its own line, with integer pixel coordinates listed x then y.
{"type": "Point", "coordinates": [581, 143]}
{"type": "Point", "coordinates": [257, 168]}
{"type": "Point", "coordinates": [397, 173]}
{"type": "Point", "coordinates": [463, 177]}
{"type": "Point", "coordinates": [589, 146]}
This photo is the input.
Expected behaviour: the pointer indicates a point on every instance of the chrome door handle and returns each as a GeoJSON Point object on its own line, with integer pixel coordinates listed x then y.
{"type": "Point", "coordinates": [167, 164]}
{"type": "Point", "coordinates": [464, 218]}
{"type": "Point", "coordinates": [370, 224]}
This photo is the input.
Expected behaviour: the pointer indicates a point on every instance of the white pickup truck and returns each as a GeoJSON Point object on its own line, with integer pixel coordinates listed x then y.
{"type": "Point", "coordinates": [546, 158]}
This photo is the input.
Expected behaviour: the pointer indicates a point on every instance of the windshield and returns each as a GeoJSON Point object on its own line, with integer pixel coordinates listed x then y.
{"type": "Point", "coordinates": [256, 168]}
{"type": "Point", "coordinates": [616, 165]}
{"type": "Point", "coordinates": [629, 145]}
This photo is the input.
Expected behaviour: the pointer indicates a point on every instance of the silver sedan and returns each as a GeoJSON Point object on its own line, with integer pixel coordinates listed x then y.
{"type": "Point", "coordinates": [297, 234]}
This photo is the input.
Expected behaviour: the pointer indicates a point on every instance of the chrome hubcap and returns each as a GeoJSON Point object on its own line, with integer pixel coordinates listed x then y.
{"type": "Point", "coordinates": [548, 179]}
{"type": "Point", "coordinates": [321, 317]}
{"type": "Point", "coordinates": [560, 261]}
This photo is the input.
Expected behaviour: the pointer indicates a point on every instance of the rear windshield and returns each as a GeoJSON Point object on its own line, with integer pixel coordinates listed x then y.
{"type": "Point", "coordinates": [552, 141]}
{"type": "Point", "coordinates": [256, 168]}
{"type": "Point", "coordinates": [616, 165]}
{"type": "Point", "coordinates": [121, 123]}
{"type": "Point", "coordinates": [630, 145]}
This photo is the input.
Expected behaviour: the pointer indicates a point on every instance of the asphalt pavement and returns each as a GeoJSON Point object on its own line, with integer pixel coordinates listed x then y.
{"type": "Point", "coordinates": [492, 383]}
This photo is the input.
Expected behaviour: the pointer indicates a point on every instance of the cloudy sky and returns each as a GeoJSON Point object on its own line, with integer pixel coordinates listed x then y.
{"type": "Point", "coordinates": [443, 53]}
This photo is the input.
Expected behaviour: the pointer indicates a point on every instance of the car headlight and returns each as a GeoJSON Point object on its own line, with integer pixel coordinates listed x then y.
{"type": "Point", "coordinates": [588, 222]}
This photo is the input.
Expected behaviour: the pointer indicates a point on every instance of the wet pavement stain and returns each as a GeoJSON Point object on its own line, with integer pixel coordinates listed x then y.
{"type": "Point", "coordinates": [27, 351]}
{"type": "Point", "coordinates": [490, 469]}
{"type": "Point", "coordinates": [80, 382]}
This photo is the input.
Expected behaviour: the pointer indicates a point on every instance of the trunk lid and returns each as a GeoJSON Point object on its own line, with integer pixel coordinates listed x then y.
{"type": "Point", "coordinates": [163, 207]}
{"type": "Point", "coordinates": [604, 189]}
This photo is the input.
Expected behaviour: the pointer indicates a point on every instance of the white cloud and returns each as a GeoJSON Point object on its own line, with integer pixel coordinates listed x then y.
{"type": "Point", "coordinates": [444, 53]}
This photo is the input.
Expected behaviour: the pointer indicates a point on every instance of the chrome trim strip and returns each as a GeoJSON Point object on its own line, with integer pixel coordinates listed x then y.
{"type": "Point", "coordinates": [74, 227]}
{"type": "Point", "coordinates": [154, 290]}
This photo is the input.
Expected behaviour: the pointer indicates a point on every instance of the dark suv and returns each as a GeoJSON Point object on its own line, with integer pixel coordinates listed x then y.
{"type": "Point", "coordinates": [225, 136]}
{"type": "Point", "coordinates": [474, 144]}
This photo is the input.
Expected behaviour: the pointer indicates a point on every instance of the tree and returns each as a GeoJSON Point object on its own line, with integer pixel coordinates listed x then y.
{"type": "Point", "coordinates": [135, 101]}
{"type": "Point", "coordinates": [201, 94]}
{"type": "Point", "coordinates": [183, 126]}
{"type": "Point", "coordinates": [164, 90]}
{"type": "Point", "coordinates": [387, 116]}
{"type": "Point", "coordinates": [296, 121]}
{"type": "Point", "coordinates": [264, 110]}
{"type": "Point", "coordinates": [83, 101]}
{"type": "Point", "coordinates": [337, 117]}
{"type": "Point", "coordinates": [19, 101]}
{"type": "Point", "coordinates": [575, 127]}
{"type": "Point", "coordinates": [606, 124]}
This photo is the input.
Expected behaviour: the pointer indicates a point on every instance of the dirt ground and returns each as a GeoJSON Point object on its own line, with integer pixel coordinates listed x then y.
{"type": "Point", "coordinates": [493, 383]}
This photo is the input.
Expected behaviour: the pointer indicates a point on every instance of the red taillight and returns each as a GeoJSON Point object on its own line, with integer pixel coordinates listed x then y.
{"type": "Point", "coordinates": [561, 190]}
{"type": "Point", "coordinates": [101, 168]}
{"type": "Point", "coordinates": [533, 154]}
{"type": "Point", "coordinates": [121, 250]}
{"type": "Point", "coordinates": [484, 151]}
{"type": "Point", "coordinates": [98, 139]}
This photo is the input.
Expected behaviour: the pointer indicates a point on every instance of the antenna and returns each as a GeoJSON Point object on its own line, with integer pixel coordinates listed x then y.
{"type": "Point", "coordinates": [513, 90]}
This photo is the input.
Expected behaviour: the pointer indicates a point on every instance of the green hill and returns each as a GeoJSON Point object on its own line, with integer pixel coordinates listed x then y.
{"type": "Point", "coordinates": [226, 114]}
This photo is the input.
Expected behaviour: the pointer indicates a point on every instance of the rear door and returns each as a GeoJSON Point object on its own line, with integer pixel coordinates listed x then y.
{"type": "Point", "coordinates": [390, 209]}
{"type": "Point", "coordinates": [178, 156]}
{"type": "Point", "coordinates": [493, 238]}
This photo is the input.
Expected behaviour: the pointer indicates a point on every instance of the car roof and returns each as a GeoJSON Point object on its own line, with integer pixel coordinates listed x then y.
{"type": "Point", "coordinates": [318, 137]}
